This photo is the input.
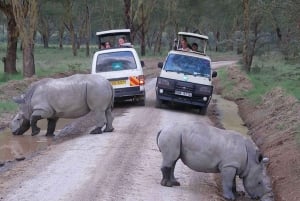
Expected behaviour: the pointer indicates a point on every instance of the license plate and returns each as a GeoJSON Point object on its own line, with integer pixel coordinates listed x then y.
{"type": "Point", "coordinates": [183, 93]}
{"type": "Point", "coordinates": [118, 82]}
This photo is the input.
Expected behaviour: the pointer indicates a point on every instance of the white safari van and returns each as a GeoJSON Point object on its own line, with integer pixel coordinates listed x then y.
{"type": "Point", "coordinates": [120, 64]}
{"type": "Point", "coordinates": [186, 74]}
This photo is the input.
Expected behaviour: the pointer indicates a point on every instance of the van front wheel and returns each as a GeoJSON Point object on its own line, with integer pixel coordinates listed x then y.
{"type": "Point", "coordinates": [158, 103]}
{"type": "Point", "coordinates": [203, 110]}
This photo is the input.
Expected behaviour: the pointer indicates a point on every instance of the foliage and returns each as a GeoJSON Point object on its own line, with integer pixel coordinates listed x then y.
{"type": "Point", "coordinates": [271, 71]}
{"type": "Point", "coordinates": [50, 61]}
{"type": "Point", "coordinates": [274, 25]}
{"type": "Point", "coordinates": [7, 106]}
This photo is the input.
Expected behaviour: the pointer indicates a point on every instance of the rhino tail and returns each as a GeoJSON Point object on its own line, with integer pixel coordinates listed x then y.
{"type": "Point", "coordinates": [112, 98]}
{"type": "Point", "coordinates": [158, 134]}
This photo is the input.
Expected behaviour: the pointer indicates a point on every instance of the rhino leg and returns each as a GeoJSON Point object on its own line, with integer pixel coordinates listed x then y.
{"type": "Point", "coordinates": [228, 182]}
{"type": "Point", "coordinates": [168, 176]}
{"type": "Point", "coordinates": [109, 120]}
{"type": "Point", "coordinates": [101, 120]}
{"type": "Point", "coordinates": [51, 126]}
{"type": "Point", "coordinates": [173, 179]}
{"type": "Point", "coordinates": [166, 173]}
{"type": "Point", "coordinates": [33, 122]}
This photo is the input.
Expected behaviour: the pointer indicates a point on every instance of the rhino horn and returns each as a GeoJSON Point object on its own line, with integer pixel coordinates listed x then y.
{"type": "Point", "coordinates": [19, 99]}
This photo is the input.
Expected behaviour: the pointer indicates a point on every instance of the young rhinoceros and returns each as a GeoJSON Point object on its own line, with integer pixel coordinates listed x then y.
{"type": "Point", "coordinates": [204, 148]}
{"type": "Point", "coordinates": [69, 97]}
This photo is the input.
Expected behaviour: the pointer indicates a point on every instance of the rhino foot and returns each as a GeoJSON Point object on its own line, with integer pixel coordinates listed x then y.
{"type": "Point", "coordinates": [50, 134]}
{"type": "Point", "coordinates": [108, 130]}
{"type": "Point", "coordinates": [97, 130]}
{"type": "Point", "coordinates": [165, 182]}
{"type": "Point", "coordinates": [175, 183]}
{"type": "Point", "coordinates": [35, 131]}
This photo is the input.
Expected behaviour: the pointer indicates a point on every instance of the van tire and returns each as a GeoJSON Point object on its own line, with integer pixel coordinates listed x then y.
{"type": "Point", "coordinates": [203, 110]}
{"type": "Point", "coordinates": [141, 101]}
{"type": "Point", "coordinates": [158, 103]}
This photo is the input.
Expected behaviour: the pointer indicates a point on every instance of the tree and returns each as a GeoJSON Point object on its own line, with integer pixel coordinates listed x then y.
{"type": "Point", "coordinates": [49, 19]}
{"type": "Point", "coordinates": [69, 24]}
{"type": "Point", "coordinates": [141, 20]}
{"type": "Point", "coordinates": [26, 13]}
{"type": "Point", "coordinates": [12, 38]}
{"type": "Point", "coordinates": [246, 35]}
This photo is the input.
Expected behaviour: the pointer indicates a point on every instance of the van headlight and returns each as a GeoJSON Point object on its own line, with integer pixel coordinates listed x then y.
{"type": "Point", "coordinates": [165, 83]}
{"type": "Point", "coordinates": [203, 89]}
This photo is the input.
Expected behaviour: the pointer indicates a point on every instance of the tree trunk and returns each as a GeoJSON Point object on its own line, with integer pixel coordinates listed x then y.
{"type": "Point", "coordinates": [9, 61]}
{"type": "Point", "coordinates": [143, 45]}
{"type": "Point", "coordinates": [127, 6]}
{"type": "Point", "coordinates": [28, 60]}
{"type": "Point", "coordinates": [45, 38]}
{"type": "Point", "coordinates": [87, 30]}
{"type": "Point", "coordinates": [217, 41]}
{"type": "Point", "coordinates": [12, 44]}
{"type": "Point", "coordinates": [61, 35]}
{"type": "Point", "coordinates": [246, 35]}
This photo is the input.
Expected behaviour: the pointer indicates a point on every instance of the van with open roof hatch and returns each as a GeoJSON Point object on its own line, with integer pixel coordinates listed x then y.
{"type": "Point", "coordinates": [121, 65]}
{"type": "Point", "coordinates": [186, 74]}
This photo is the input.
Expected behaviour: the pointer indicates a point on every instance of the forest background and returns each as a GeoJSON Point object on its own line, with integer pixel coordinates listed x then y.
{"type": "Point", "coordinates": [246, 27]}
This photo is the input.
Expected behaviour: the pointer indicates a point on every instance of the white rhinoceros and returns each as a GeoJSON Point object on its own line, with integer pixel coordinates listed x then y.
{"type": "Point", "coordinates": [204, 148]}
{"type": "Point", "coordinates": [69, 97]}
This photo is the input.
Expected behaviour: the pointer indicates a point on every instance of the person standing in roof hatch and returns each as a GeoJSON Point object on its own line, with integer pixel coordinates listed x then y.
{"type": "Point", "coordinates": [107, 44]}
{"type": "Point", "coordinates": [184, 45]}
{"type": "Point", "coordinates": [121, 41]}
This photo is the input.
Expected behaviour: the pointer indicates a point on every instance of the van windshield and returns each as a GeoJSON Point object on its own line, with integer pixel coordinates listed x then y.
{"type": "Point", "coordinates": [188, 65]}
{"type": "Point", "coordinates": [115, 61]}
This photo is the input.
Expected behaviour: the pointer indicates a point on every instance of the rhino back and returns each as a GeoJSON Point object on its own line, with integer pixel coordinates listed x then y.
{"type": "Point", "coordinates": [208, 149]}
{"type": "Point", "coordinates": [65, 97]}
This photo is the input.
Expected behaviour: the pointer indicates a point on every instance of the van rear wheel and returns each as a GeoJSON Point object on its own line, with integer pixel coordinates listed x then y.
{"type": "Point", "coordinates": [141, 101]}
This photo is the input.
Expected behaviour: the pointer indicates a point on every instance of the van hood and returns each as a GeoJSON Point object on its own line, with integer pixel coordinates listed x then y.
{"type": "Point", "coordinates": [184, 77]}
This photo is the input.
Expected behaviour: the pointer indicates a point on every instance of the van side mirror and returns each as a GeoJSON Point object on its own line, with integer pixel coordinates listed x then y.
{"type": "Point", "coordinates": [214, 74]}
{"type": "Point", "coordinates": [142, 63]}
{"type": "Point", "coordinates": [160, 64]}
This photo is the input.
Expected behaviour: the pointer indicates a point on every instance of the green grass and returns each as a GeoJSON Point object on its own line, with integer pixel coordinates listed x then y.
{"type": "Point", "coordinates": [7, 106]}
{"type": "Point", "coordinates": [50, 61]}
{"type": "Point", "coordinates": [227, 85]}
{"type": "Point", "coordinates": [47, 62]}
{"type": "Point", "coordinates": [269, 72]}
{"type": "Point", "coordinates": [223, 56]}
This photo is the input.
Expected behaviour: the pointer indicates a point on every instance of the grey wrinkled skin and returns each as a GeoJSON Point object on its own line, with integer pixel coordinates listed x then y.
{"type": "Point", "coordinates": [69, 97]}
{"type": "Point", "coordinates": [205, 148]}
{"type": "Point", "coordinates": [20, 125]}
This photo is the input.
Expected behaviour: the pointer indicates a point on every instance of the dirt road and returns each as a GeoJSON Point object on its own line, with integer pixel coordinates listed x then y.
{"type": "Point", "coordinates": [123, 165]}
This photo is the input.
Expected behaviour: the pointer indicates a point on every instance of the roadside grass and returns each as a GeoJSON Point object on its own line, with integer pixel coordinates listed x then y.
{"type": "Point", "coordinates": [223, 56]}
{"type": "Point", "coordinates": [49, 61]}
{"type": "Point", "coordinates": [272, 71]}
{"type": "Point", "coordinates": [268, 72]}
{"type": "Point", "coordinates": [7, 106]}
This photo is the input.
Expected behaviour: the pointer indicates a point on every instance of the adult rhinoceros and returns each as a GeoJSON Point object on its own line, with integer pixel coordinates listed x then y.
{"type": "Point", "coordinates": [204, 148]}
{"type": "Point", "coordinates": [69, 97]}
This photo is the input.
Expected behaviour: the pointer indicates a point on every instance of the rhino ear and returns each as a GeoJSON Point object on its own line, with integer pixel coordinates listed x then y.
{"type": "Point", "coordinates": [19, 99]}
{"type": "Point", "coordinates": [260, 158]}
{"type": "Point", "coordinates": [265, 160]}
